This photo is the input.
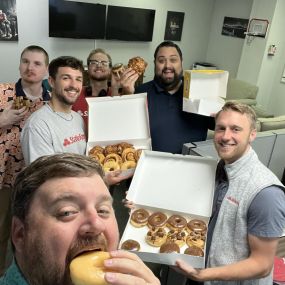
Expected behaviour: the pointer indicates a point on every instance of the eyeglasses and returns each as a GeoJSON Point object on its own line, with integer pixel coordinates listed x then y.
{"type": "Point", "coordinates": [99, 62]}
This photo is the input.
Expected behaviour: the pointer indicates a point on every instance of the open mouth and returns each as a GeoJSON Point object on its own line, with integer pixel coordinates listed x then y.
{"type": "Point", "coordinates": [88, 249]}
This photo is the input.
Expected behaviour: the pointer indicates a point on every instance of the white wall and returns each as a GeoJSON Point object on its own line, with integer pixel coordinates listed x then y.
{"type": "Point", "coordinates": [33, 29]}
{"type": "Point", "coordinates": [225, 51]}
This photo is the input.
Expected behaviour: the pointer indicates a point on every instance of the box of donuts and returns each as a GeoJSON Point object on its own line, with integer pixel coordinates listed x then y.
{"type": "Point", "coordinates": [172, 196]}
{"type": "Point", "coordinates": [118, 131]}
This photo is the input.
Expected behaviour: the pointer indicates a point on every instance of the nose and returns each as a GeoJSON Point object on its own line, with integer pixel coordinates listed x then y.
{"type": "Point", "coordinates": [92, 224]}
{"type": "Point", "coordinates": [226, 134]}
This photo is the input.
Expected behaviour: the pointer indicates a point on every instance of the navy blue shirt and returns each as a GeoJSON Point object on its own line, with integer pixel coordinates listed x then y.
{"type": "Point", "coordinates": [170, 127]}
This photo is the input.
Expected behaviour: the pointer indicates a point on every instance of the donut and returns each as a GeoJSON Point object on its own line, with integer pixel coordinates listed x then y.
{"type": "Point", "coordinates": [118, 68]}
{"type": "Point", "coordinates": [98, 156]}
{"type": "Point", "coordinates": [176, 222]}
{"type": "Point", "coordinates": [169, 247]}
{"type": "Point", "coordinates": [131, 244]}
{"type": "Point", "coordinates": [178, 237]}
{"type": "Point", "coordinates": [113, 157]}
{"type": "Point", "coordinates": [111, 166]}
{"type": "Point", "coordinates": [195, 240]}
{"type": "Point", "coordinates": [196, 225]}
{"type": "Point", "coordinates": [110, 149]}
{"type": "Point", "coordinates": [157, 220]}
{"type": "Point", "coordinates": [128, 154]}
{"type": "Point", "coordinates": [96, 149]}
{"type": "Point", "coordinates": [156, 237]}
{"type": "Point", "coordinates": [128, 165]}
{"type": "Point", "coordinates": [138, 64]}
{"type": "Point", "coordinates": [138, 154]}
{"type": "Point", "coordinates": [88, 268]}
{"type": "Point", "coordinates": [123, 145]}
{"type": "Point", "coordinates": [20, 102]}
{"type": "Point", "coordinates": [194, 250]}
{"type": "Point", "coordinates": [139, 218]}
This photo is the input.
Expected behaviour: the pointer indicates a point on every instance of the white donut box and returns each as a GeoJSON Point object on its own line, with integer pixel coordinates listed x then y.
{"type": "Point", "coordinates": [172, 184]}
{"type": "Point", "coordinates": [117, 119]}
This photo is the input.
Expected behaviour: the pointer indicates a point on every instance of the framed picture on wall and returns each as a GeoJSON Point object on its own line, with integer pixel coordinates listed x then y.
{"type": "Point", "coordinates": [234, 27]}
{"type": "Point", "coordinates": [174, 26]}
{"type": "Point", "coordinates": [8, 21]}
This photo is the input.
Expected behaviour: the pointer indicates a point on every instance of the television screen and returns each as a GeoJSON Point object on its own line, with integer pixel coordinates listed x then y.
{"type": "Point", "coordinates": [68, 19]}
{"type": "Point", "coordinates": [129, 24]}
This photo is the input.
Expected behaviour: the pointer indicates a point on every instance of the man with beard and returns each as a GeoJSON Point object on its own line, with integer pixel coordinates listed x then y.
{"type": "Point", "coordinates": [170, 127]}
{"type": "Point", "coordinates": [33, 68]}
{"type": "Point", "coordinates": [55, 128]}
{"type": "Point", "coordinates": [248, 215]}
{"type": "Point", "coordinates": [61, 209]}
{"type": "Point", "coordinates": [102, 82]}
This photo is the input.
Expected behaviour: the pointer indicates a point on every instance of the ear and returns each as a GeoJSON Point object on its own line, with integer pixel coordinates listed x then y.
{"type": "Point", "coordinates": [18, 234]}
{"type": "Point", "coordinates": [252, 136]}
{"type": "Point", "coordinates": [51, 81]}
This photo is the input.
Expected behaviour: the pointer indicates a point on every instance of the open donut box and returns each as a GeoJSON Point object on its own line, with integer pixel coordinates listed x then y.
{"type": "Point", "coordinates": [119, 119]}
{"type": "Point", "coordinates": [172, 184]}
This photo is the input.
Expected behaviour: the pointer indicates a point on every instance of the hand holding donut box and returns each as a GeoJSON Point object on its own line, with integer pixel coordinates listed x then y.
{"type": "Point", "coordinates": [173, 197]}
{"type": "Point", "coordinates": [118, 130]}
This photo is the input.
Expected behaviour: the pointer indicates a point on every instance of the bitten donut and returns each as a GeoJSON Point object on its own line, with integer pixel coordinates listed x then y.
{"type": "Point", "coordinates": [88, 268]}
{"type": "Point", "coordinates": [156, 237]}
{"type": "Point", "coordinates": [176, 222]}
{"type": "Point", "coordinates": [196, 225]}
{"type": "Point", "coordinates": [194, 250]}
{"type": "Point", "coordinates": [169, 247]}
{"type": "Point", "coordinates": [131, 244]}
{"type": "Point", "coordinates": [128, 165]}
{"type": "Point", "coordinates": [157, 220]}
{"type": "Point", "coordinates": [139, 218]}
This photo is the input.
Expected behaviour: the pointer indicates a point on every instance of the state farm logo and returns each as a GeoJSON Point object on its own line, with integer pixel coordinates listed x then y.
{"type": "Point", "coordinates": [74, 139]}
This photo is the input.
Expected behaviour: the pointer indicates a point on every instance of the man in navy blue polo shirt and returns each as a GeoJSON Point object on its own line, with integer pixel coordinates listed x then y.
{"type": "Point", "coordinates": [170, 127]}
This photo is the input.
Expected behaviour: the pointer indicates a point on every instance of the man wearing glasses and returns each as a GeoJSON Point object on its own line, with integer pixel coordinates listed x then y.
{"type": "Point", "coordinates": [102, 82]}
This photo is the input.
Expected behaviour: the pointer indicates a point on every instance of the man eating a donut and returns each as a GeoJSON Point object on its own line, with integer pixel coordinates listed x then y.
{"type": "Point", "coordinates": [62, 209]}
{"type": "Point", "coordinates": [248, 215]}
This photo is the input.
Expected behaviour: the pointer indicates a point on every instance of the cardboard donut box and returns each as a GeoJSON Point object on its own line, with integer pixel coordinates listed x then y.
{"type": "Point", "coordinates": [172, 184]}
{"type": "Point", "coordinates": [112, 120]}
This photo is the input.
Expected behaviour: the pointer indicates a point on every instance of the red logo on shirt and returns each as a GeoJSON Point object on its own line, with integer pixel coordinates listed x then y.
{"type": "Point", "coordinates": [74, 139]}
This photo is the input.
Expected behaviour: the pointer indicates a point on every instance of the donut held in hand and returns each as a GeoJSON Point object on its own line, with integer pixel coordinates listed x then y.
{"type": "Point", "coordinates": [88, 268]}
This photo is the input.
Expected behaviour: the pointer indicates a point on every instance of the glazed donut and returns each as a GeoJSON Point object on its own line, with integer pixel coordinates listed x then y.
{"type": "Point", "coordinates": [194, 250]}
{"type": "Point", "coordinates": [111, 166]}
{"type": "Point", "coordinates": [96, 149]}
{"type": "Point", "coordinates": [169, 247]}
{"type": "Point", "coordinates": [157, 220]}
{"type": "Point", "coordinates": [138, 64]}
{"type": "Point", "coordinates": [110, 149]}
{"type": "Point", "coordinates": [196, 241]}
{"type": "Point", "coordinates": [156, 237]}
{"type": "Point", "coordinates": [88, 268]}
{"type": "Point", "coordinates": [139, 218]}
{"type": "Point", "coordinates": [98, 156]}
{"type": "Point", "coordinates": [196, 225]}
{"type": "Point", "coordinates": [138, 154]}
{"type": "Point", "coordinates": [128, 154]}
{"type": "Point", "coordinates": [123, 145]}
{"type": "Point", "coordinates": [118, 68]}
{"type": "Point", "coordinates": [176, 222]}
{"type": "Point", "coordinates": [131, 244]}
{"type": "Point", "coordinates": [128, 165]}
{"type": "Point", "coordinates": [113, 157]}
{"type": "Point", "coordinates": [178, 237]}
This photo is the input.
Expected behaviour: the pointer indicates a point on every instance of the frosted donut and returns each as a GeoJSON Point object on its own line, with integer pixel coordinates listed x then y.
{"type": "Point", "coordinates": [169, 247]}
{"type": "Point", "coordinates": [178, 237]}
{"type": "Point", "coordinates": [128, 154]}
{"type": "Point", "coordinates": [157, 220]}
{"type": "Point", "coordinates": [131, 244]}
{"type": "Point", "coordinates": [196, 225]}
{"type": "Point", "coordinates": [194, 250]}
{"type": "Point", "coordinates": [196, 241]}
{"type": "Point", "coordinates": [128, 165]}
{"type": "Point", "coordinates": [139, 218]}
{"type": "Point", "coordinates": [88, 268]}
{"type": "Point", "coordinates": [111, 166]}
{"type": "Point", "coordinates": [176, 222]}
{"type": "Point", "coordinates": [156, 237]}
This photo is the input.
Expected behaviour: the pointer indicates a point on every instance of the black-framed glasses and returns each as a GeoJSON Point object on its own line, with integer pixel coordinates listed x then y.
{"type": "Point", "coordinates": [99, 62]}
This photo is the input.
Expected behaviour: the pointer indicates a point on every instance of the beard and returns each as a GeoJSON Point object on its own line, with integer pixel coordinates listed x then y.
{"type": "Point", "coordinates": [99, 77]}
{"type": "Point", "coordinates": [39, 267]}
{"type": "Point", "coordinates": [65, 100]}
{"type": "Point", "coordinates": [166, 84]}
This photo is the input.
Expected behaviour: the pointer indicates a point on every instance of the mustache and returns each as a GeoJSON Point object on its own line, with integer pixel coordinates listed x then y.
{"type": "Point", "coordinates": [86, 244]}
{"type": "Point", "coordinates": [168, 69]}
{"type": "Point", "coordinates": [71, 89]}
